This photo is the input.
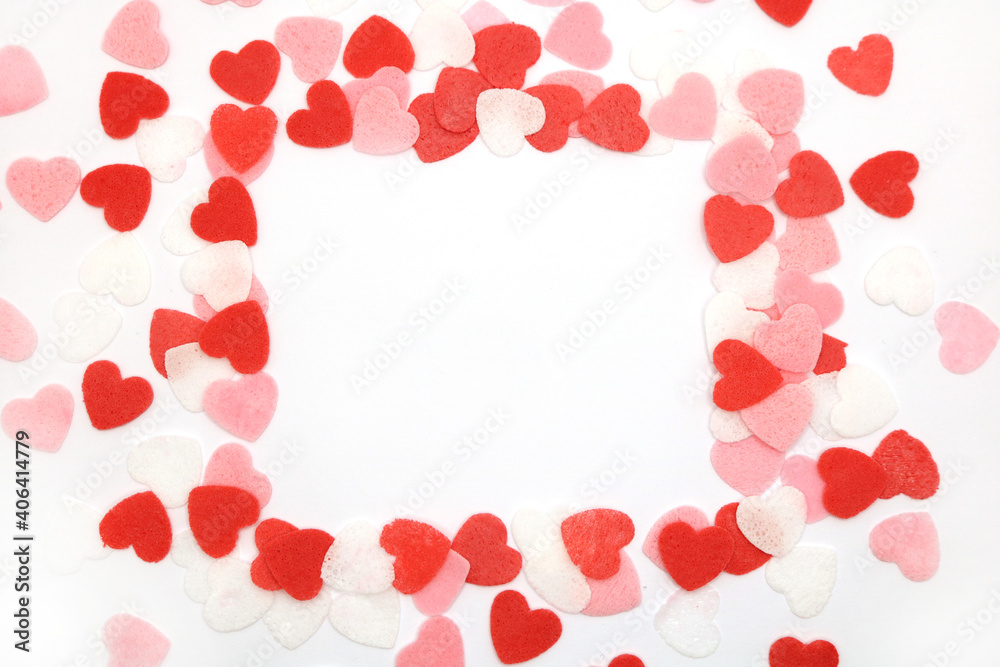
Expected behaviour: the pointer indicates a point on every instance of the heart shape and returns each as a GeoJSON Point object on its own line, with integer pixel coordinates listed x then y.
{"type": "Point", "coordinates": [686, 622]}
{"type": "Point", "coordinates": [122, 190]}
{"type": "Point", "coordinates": [177, 235]}
{"type": "Point", "coordinates": [169, 465]}
{"type": "Point", "coordinates": [296, 560]}
{"type": "Point", "coordinates": [785, 12]}
{"type": "Point", "coordinates": [118, 267]}
{"type": "Point", "coordinates": [689, 111]}
{"type": "Point", "coordinates": [357, 563]}
{"type": "Point", "coordinates": [169, 329]}
{"type": "Point", "coordinates": [588, 85]}
{"type": "Point", "coordinates": [292, 622]}
{"type": "Point", "coordinates": [868, 69]}
{"type": "Point", "coordinates": [793, 286]}
{"type": "Point", "coordinates": [866, 403]}
{"type": "Point", "coordinates": [853, 481]}
{"type": "Point", "coordinates": [727, 317]}
{"type": "Point", "coordinates": [217, 513]}
{"type": "Point", "coordinates": [134, 36]}
{"type": "Point", "coordinates": [436, 143]}
{"type": "Point", "coordinates": [594, 538]}
{"type": "Point", "coordinates": [808, 245]}
{"type": "Point", "coordinates": [792, 342]}
{"type": "Point", "coordinates": [749, 466]}
{"type": "Point", "coordinates": [746, 557]}
{"type": "Point", "coordinates": [164, 144]}
{"type": "Point", "coordinates": [776, 97]}
{"type": "Point", "coordinates": [576, 36]}
{"type": "Point", "coordinates": [110, 400]}
{"type": "Point", "coordinates": [238, 333]}
{"type": "Point", "coordinates": [327, 122]}
{"type": "Point", "coordinates": [727, 427]}
{"type": "Point", "coordinates": [186, 553]}
{"type": "Point", "coordinates": [128, 98]}
{"type": "Point", "coordinates": [440, 36]}
{"type": "Point", "coordinates": [228, 215]}
{"type": "Point", "coordinates": [18, 338]}
{"type": "Point", "coordinates": [910, 541]}
{"type": "Point", "coordinates": [805, 577]}
{"type": "Point", "coordinates": [260, 571]}
{"type": "Point", "coordinates": [219, 167]}
{"type": "Point", "coordinates": [734, 230]}
{"type": "Point", "coordinates": [233, 602]}
{"type": "Point", "coordinates": [748, 377]}
{"type": "Point", "coordinates": [140, 521]}
{"type": "Point", "coordinates": [244, 407]}
{"type": "Point", "coordinates": [377, 43]}
{"type": "Point", "coordinates": [45, 417]}
{"type": "Point", "coordinates": [743, 166]}
{"type": "Point", "coordinates": [909, 466]}
{"type": "Point", "coordinates": [243, 138]}
{"type": "Point", "coordinates": [773, 524]}
{"type": "Point", "coordinates": [381, 125]}
{"type": "Point", "coordinates": [801, 472]}
{"type": "Point", "coordinates": [482, 540]}
{"type": "Point", "coordinates": [132, 642]}
{"type": "Point", "coordinates": [222, 273]}
{"type": "Point", "coordinates": [482, 15]}
{"type": "Point", "coordinates": [547, 566]}
{"type": "Point", "coordinates": [519, 632]}
{"type": "Point", "coordinates": [455, 95]}
{"type": "Point", "coordinates": [370, 620]}
{"type": "Point", "coordinates": [313, 44]}
{"type": "Point", "coordinates": [968, 336]}
{"type": "Point", "coordinates": [438, 644]}
{"type": "Point", "coordinates": [563, 107]}
{"type": "Point", "coordinates": [95, 320]}
{"type": "Point", "coordinates": [505, 117]}
{"type": "Point", "coordinates": [812, 187]}
{"type": "Point", "coordinates": [505, 52]}
{"type": "Point", "coordinates": [232, 465]}
{"type": "Point", "coordinates": [612, 120]}
{"type": "Point", "coordinates": [420, 552]}
{"type": "Point", "coordinates": [43, 188]}
{"type": "Point", "coordinates": [190, 372]}
{"type": "Point", "coordinates": [790, 652]}
{"type": "Point", "coordinates": [392, 78]}
{"type": "Point", "coordinates": [831, 356]}
{"type": "Point", "coordinates": [24, 81]}
{"type": "Point", "coordinates": [883, 183]}
{"type": "Point", "coordinates": [617, 594]}
{"type": "Point", "coordinates": [249, 75]}
{"type": "Point", "coordinates": [694, 558]}
{"type": "Point", "coordinates": [901, 277]}
{"type": "Point", "coordinates": [436, 598]}
{"type": "Point", "coordinates": [692, 516]}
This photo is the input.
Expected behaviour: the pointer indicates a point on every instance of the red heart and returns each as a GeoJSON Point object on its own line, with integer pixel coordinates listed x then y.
{"type": "Point", "coordinates": [627, 660]}
{"type": "Point", "coordinates": [295, 559]}
{"type": "Point", "coordinates": [217, 513]}
{"type": "Point", "coordinates": [122, 190]}
{"type": "Point", "coordinates": [853, 481]}
{"type": "Point", "coordinates": [128, 98]}
{"type": "Point", "coordinates": [243, 137]}
{"type": "Point", "coordinates": [812, 187]}
{"type": "Point", "coordinates": [520, 633]}
{"type": "Point", "coordinates": [482, 540]}
{"type": "Point", "coordinates": [267, 530]}
{"type": "Point", "coordinates": [746, 557]}
{"type": "Point", "coordinates": [377, 43]}
{"type": "Point", "coordinates": [882, 183]}
{"type": "Point", "coordinates": [748, 377]}
{"type": "Point", "coordinates": [455, 96]}
{"type": "Point", "coordinates": [505, 52]}
{"type": "Point", "coordinates": [790, 652]}
{"type": "Point", "coordinates": [238, 333]}
{"type": "Point", "coordinates": [612, 120]}
{"type": "Point", "coordinates": [110, 400]}
{"type": "Point", "coordinates": [420, 552]}
{"type": "Point", "coordinates": [734, 231]}
{"type": "Point", "coordinates": [909, 466]}
{"type": "Point", "coordinates": [563, 106]}
{"type": "Point", "coordinates": [169, 329]}
{"type": "Point", "coordinates": [250, 74]}
{"type": "Point", "coordinates": [229, 214]}
{"type": "Point", "coordinates": [866, 71]}
{"type": "Point", "coordinates": [436, 143]}
{"type": "Point", "coordinates": [327, 121]}
{"type": "Point", "coordinates": [593, 539]}
{"type": "Point", "coordinates": [694, 558]}
{"type": "Point", "coordinates": [140, 522]}
{"type": "Point", "coordinates": [785, 12]}
{"type": "Point", "coordinates": [831, 356]}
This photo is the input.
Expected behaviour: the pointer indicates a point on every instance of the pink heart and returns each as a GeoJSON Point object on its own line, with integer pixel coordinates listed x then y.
{"type": "Point", "coordinates": [689, 111]}
{"type": "Point", "coordinates": [22, 83]}
{"type": "Point", "coordinates": [482, 15]}
{"type": "Point", "coordinates": [808, 245]}
{"type": "Point", "coordinates": [206, 312]}
{"type": "Point", "coordinates": [692, 516]}
{"type": "Point", "coordinates": [793, 342]}
{"type": "Point", "coordinates": [588, 85]}
{"type": "Point", "coordinates": [231, 465]}
{"type": "Point", "coordinates": [243, 407]}
{"type": "Point", "coordinates": [968, 336]}
{"type": "Point", "coordinates": [45, 418]}
{"type": "Point", "coordinates": [749, 466]}
{"type": "Point", "coordinates": [910, 541]}
{"type": "Point", "coordinates": [312, 43]}
{"type": "Point", "coordinates": [784, 149]}
{"type": "Point", "coordinates": [43, 188]}
{"type": "Point", "coordinates": [575, 36]}
{"type": "Point", "coordinates": [800, 472]}
{"type": "Point", "coordinates": [132, 642]}
{"type": "Point", "coordinates": [218, 167]}
{"type": "Point", "coordinates": [18, 338]}
{"type": "Point", "coordinates": [743, 166]}
{"type": "Point", "coordinates": [439, 644]}
{"type": "Point", "coordinates": [437, 597]}
{"type": "Point", "coordinates": [381, 125]}
{"type": "Point", "coordinates": [134, 36]}
{"type": "Point", "coordinates": [776, 96]}
{"type": "Point", "coordinates": [392, 78]}
{"type": "Point", "coordinates": [780, 418]}
{"type": "Point", "coordinates": [617, 594]}
{"type": "Point", "coordinates": [794, 286]}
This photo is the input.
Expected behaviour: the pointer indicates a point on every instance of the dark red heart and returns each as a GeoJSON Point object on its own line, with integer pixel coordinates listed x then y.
{"type": "Point", "coordinates": [831, 356]}
{"type": "Point", "coordinates": [122, 190]}
{"type": "Point", "coordinates": [612, 120]}
{"type": "Point", "coordinates": [327, 122]}
{"type": "Point", "coordinates": [249, 75]}
{"type": "Point", "coordinates": [563, 106]}
{"type": "Point", "coordinates": [734, 231]}
{"type": "Point", "coordinates": [812, 187]}
{"type": "Point", "coordinates": [748, 377]}
{"type": "Point", "coordinates": [267, 530]}
{"type": "Point", "coordinates": [482, 540]}
{"type": "Point", "coordinates": [746, 557]}
{"type": "Point", "coordinates": [594, 539]}
{"type": "Point", "coordinates": [140, 522]}
{"type": "Point", "coordinates": [867, 70]}
{"type": "Point", "coordinates": [785, 12]}
{"type": "Point", "coordinates": [217, 513]}
{"type": "Point", "coordinates": [420, 552]}
{"type": "Point", "coordinates": [853, 481]}
{"type": "Point", "coordinates": [455, 96]}
{"type": "Point", "coordinates": [520, 633]}
{"type": "Point", "coordinates": [694, 558]}
{"type": "Point", "coordinates": [169, 329]}
{"type": "Point", "coordinates": [909, 466]}
{"type": "Point", "coordinates": [295, 559]}
{"type": "Point", "coordinates": [243, 137]}
{"type": "Point", "coordinates": [110, 400]}
{"type": "Point", "coordinates": [436, 143]}
{"type": "Point", "coordinates": [128, 98]}
{"type": "Point", "coordinates": [238, 333]}
{"type": "Point", "coordinates": [882, 183]}
{"type": "Point", "coordinates": [228, 215]}
{"type": "Point", "coordinates": [790, 652]}
{"type": "Point", "coordinates": [505, 52]}
{"type": "Point", "coordinates": [377, 43]}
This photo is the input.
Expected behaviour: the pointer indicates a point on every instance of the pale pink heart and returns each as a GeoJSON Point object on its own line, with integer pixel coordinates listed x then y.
{"type": "Point", "coordinates": [794, 286]}
{"type": "Point", "coordinates": [437, 597]}
{"type": "Point", "coordinates": [788, 377]}
{"type": "Point", "coordinates": [22, 83]}
{"type": "Point", "coordinates": [776, 96]}
{"type": "Point", "coordinates": [808, 245]}
{"type": "Point", "coordinates": [243, 407]}
{"type": "Point", "coordinates": [780, 418]}
{"type": "Point", "coordinates": [587, 84]}
{"type": "Point", "coordinates": [218, 167]}
{"type": "Point", "coordinates": [45, 417]}
{"type": "Point", "coordinates": [232, 465]}
{"type": "Point", "coordinates": [576, 36]}
{"type": "Point", "coordinates": [749, 466]}
{"type": "Point", "coordinates": [206, 312]}
{"type": "Point", "coordinates": [312, 43]}
{"type": "Point", "coordinates": [392, 78]}
{"type": "Point", "coordinates": [483, 15]}
{"type": "Point", "coordinates": [743, 166]}
{"type": "Point", "coordinates": [692, 516]}
{"type": "Point", "coordinates": [689, 111]}
{"type": "Point", "coordinates": [617, 594]}
{"type": "Point", "coordinates": [784, 149]}
{"type": "Point", "coordinates": [381, 125]}
{"type": "Point", "coordinates": [968, 336]}
{"type": "Point", "coordinates": [132, 642]}
{"type": "Point", "coordinates": [800, 472]}
{"type": "Point", "coordinates": [134, 36]}
{"type": "Point", "coordinates": [910, 541]}
{"type": "Point", "coordinates": [439, 644]}
{"type": "Point", "coordinates": [18, 337]}
{"type": "Point", "coordinates": [43, 188]}
{"type": "Point", "coordinates": [792, 342]}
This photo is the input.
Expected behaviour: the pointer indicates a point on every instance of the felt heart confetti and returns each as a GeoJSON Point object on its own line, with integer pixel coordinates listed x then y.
{"type": "Point", "coordinates": [435, 142]}
{"type": "Point", "coordinates": [232, 465]}
{"type": "Point", "coordinates": [505, 117]}
{"type": "Point", "coordinates": [482, 15]}
{"type": "Point", "coordinates": [134, 36]}
{"type": "Point", "coordinates": [420, 551]}
{"type": "Point", "coordinates": [831, 356]}
{"type": "Point", "coordinates": [790, 652]}
{"type": "Point", "coordinates": [806, 577]}
{"type": "Point", "coordinates": [185, 552]}
{"type": "Point", "coordinates": [122, 190]}
{"type": "Point", "coordinates": [43, 188]}
{"type": "Point", "coordinates": [22, 82]}
{"type": "Point", "coordinates": [118, 267]}
{"type": "Point", "coordinates": [785, 12]}
{"type": "Point", "coordinates": [46, 417]}
{"type": "Point", "coordinates": [587, 84]}
{"type": "Point", "coordinates": [243, 137]}
{"type": "Point", "coordinates": [812, 187]}
{"type": "Point", "coordinates": [505, 52]}
{"type": "Point", "coordinates": [248, 75]}
{"type": "Point", "coordinates": [689, 111]}
{"type": "Point", "coordinates": [377, 43]}
{"type": "Point", "coordinates": [694, 558]}
{"type": "Point", "coordinates": [853, 481]}
{"type": "Point", "coordinates": [292, 622]}
{"type": "Point", "coordinates": [440, 36]}
{"type": "Point", "coordinates": [234, 602]}
{"type": "Point", "coordinates": [902, 277]}
{"type": "Point", "coordinates": [217, 513]}
{"type": "Point", "coordinates": [438, 644]}
{"type": "Point", "coordinates": [370, 620]}
{"type": "Point", "coordinates": [617, 594]}
{"type": "Point", "coordinates": [110, 400]}
{"type": "Point", "coordinates": [357, 563]}
{"type": "Point", "coordinates": [95, 320]}
{"type": "Point", "coordinates": [169, 329]}
{"type": "Point", "coordinates": [18, 338]}
{"type": "Point", "coordinates": [794, 341]}
{"type": "Point", "coordinates": [519, 632]}
{"type": "Point", "coordinates": [239, 333]}
{"type": "Point", "coordinates": [133, 642]}
{"type": "Point", "coordinates": [734, 231]}
{"type": "Point", "coordinates": [686, 622]}
{"type": "Point", "coordinates": [910, 468]}
{"type": "Point", "coordinates": [773, 524]}
{"type": "Point", "coordinates": [576, 36]}
{"type": "Point", "coordinates": [140, 522]}
{"type": "Point", "coordinates": [748, 379]}
{"type": "Point", "coordinates": [547, 565]}
{"type": "Point", "coordinates": [776, 97]}
{"type": "Point", "coordinates": [882, 183]}
{"type": "Point", "coordinates": [692, 516]}
{"type": "Point", "coordinates": [222, 273]}
{"type": "Point", "coordinates": [867, 404]}
{"type": "Point", "coordinates": [164, 144]}
{"type": "Point", "coordinates": [746, 557]}
{"type": "Point", "coordinates": [244, 407]}
{"type": "Point", "coordinates": [190, 372]}
{"type": "Point", "coordinates": [563, 107]}
{"type": "Point", "coordinates": [594, 538]}
{"type": "Point", "coordinates": [751, 278]}
{"type": "Point", "coordinates": [802, 473]}
{"type": "Point", "coordinates": [910, 541]}
{"type": "Point", "coordinates": [437, 596]}
{"type": "Point", "coordinates": [749, 465]}
{"type": "Point", "coordinates": [808, 245]}
{"type": "Point", "coordinates": [169, 465]}
{"type": "Point", "coordinates": [260, 571]}
{"type": "Point", "coordinates": [296, 558]}
{"type": "Point", "coordinates": [727, 427]}
{"type": "Point", "coordinates": [968, 336]}
{"type": "Point", "coordinates": [743, 166]}
{"type": "Point", "coordinates": [866, 70]}
{"type": "Point", "coordinates": [381, 125]}
{"type": "Point", "coordinates": [612, 120]}
{"type": "Point", "coordinates": [482, 541]}
{"type": "Point", "coordinates": [218, 165]}
{"type": "Point", "coordinates": [126, 99]}
{"type": "Point", "coordinates": [727, 317]}
{"type": "Point", "coordinates": [327, 122]}
{"type": "Point", "coordinates": [793, 286]}
{"type": "Point", "coordinates": [313, 44]}
{"type": "Point", "coordinates": [177, 235]}
{"type": "Point", "coordinates": [455, 96]}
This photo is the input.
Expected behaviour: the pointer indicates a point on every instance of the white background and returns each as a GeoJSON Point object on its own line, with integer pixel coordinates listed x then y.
{"type": "Point", "coordinates": [637, 387]}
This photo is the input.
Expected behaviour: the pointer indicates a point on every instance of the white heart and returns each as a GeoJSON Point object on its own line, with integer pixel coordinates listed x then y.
{"type": "Point", "coordinates": [752, 277]}
{"type": "Point", "coordinates": [190, 371]}
{"type": "Point", "coordinates": [222, 273]}
{"type": "Point", "coordinates": [505, 117]}
{"type": "Point", "coordinates": [805, 577]}
{"type": "Point", "coordinates": [727, 317]}
{"type": "Point", "coordinates": [292, 622]}
{"type": "Point", "coordinates": [72, 535]}
{"type": "Point", "coordinates": [713, 68]}
{"type": "Point", "coordinates": [328, 8]}
{"type": "Point", "coordinates": [730, 124]}
{"type": "Point", "coordinates": [824, 394]}
{"type": "Point", "coordinates": [87, 325]}
{"type": "Point", "coordinates": [169, 465]}
{"type": "Point", "coordinates": [357, 563]}
{"type": "Point", "coordinates": [728, 426]}
{"type": "Point", "coordinates": [686, 622]}
{"type": "Point", "coordinates": [177, 236]}
{"type": "Point", "coordinates": [370, 620]}
{"type": "Point", "coordinates": [185, 552]}
{"type": "Point", "coordinates": [117, 267]}
{"type": "Point", "coordinates": [746, 63]}
{"type": "Point", "coordinates": [234, 602]}
{"type": "Point", "coordinates": [773, 524]}
{"type": "Point", "coordinates": [866, 403]}
{"type": "Point", "coordinates": [649, 56]}
{"type": "Point", "coordinates": [547, 565]}
{"type": "Point", "coordinates": [902, 277]}
{"type": "Point", "coordinates": [165, 144]}
{"type": "Point", "coordinates": [441, 36]}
